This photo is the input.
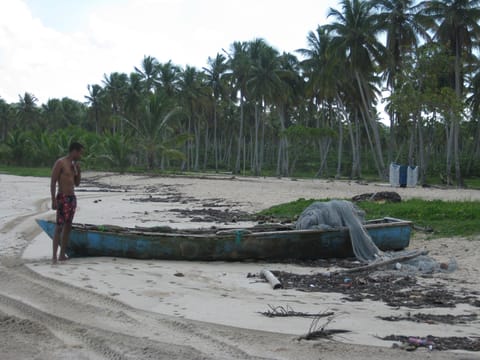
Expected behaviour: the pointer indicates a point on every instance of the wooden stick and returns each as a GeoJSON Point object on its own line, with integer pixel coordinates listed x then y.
{"type": "Point", "coordinates": [382, 263]}
{"type": "Point", "coordinates": [276, 284]}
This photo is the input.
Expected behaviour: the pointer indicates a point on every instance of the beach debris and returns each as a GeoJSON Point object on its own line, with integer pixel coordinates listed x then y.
{"type": "Point", "coordinates": [394, 288]}
{"type": "Point", "coordinates": [471, 343]}
{"type": "Point", "coordinates": [272, 279]}
{"type": "Point", "coordinates": [287, 311]}
{"type": "Point", "coordinates": [92, 184]}
{"type": "Point", "coordinates": [179, 274]}
{"type": "Point", "coordinates": [397, 260]}
{"type": "Point", "coordinates": [320, 331]}
{"type": "Point", "coordinates": [432, 318]}
{"type": "Point", "coordinates": [213, 215]}
{"type": "Point", "coordinates": [381, 196]}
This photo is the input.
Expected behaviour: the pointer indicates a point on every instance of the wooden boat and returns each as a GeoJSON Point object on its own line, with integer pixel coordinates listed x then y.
{"type": "Point", "coordinates": [261, 242]}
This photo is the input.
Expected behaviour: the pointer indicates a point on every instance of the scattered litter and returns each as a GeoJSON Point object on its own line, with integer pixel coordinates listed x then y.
{"type": "Point", "coordinates": [437, 343]}
{"type": "Point", "coordinates": [272, 279]}
{"type": "Point", "coordinates": [433, 318]}
{"type": "Point", "coordinates": [392, 287]}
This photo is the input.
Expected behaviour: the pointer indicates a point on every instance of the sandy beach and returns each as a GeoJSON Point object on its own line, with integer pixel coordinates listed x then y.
{"type": "Point", "coordinates": [112, 308]}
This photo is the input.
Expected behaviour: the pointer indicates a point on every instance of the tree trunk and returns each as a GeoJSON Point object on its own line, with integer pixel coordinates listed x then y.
{"type": "Point", "coordinates": [377, 165]}
{"type": "Point", "coordinates": [261, 157]}
{"type": "Point", "coordinates": [205, 158]}
{"type": "Point", "coordinates": [449, 131]}
{"type": "Point", "coordinates": [96, 120]}
{"type": "Point", "coordinates": [456, 125]}
{"type": "Point", "coordinates": [325, 146]}
{"type": "Point", "coordinates": [373, 124]}
{"type": "Point", "coordinates": [256, 147]}
{"type": "Point", "coordinates": [421, 152]}
{"type": "Point", "coordinates": [412, 145]}
{"type": "Point", "coordinates": [282, 159]}
{"type": "Point", "coordinates": [240, 136]}
{"type": "Point", "coordinates": [215, 144]}
{"type": "Point", "coordinates": [340, 136]}
{"type": "Point", "coordinates": [196, 129]}
{"type": "Point", "coordinates": [393, 144]}
{"type": "Point", "coordinates": [188, 144]}
{"type": "Point", "coordinates": [354, 139]}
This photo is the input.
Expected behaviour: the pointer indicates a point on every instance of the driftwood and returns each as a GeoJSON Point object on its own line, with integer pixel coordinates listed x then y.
{"type": "Point", "coordinates": [276, 284]}
{"type": "Point", "coordinates": [426, 229]}
{"type": "Point", "coordinates": [380, 264]}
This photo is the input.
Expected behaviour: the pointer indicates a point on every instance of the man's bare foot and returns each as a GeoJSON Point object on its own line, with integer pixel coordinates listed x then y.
{"type": "Point", "coordinates": [63, 258]}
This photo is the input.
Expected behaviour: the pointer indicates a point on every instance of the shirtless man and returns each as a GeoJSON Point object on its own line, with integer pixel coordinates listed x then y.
{"type": "Point", "coordinates": [66, 172]}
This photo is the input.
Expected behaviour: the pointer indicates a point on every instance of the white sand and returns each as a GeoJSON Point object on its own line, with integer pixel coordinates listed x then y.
{"type": "Point", "coordinates": [217, 293]}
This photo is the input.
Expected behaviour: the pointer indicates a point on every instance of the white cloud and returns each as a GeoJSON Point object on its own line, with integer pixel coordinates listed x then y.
{"type": "Point", "coordinates": [50, 63]}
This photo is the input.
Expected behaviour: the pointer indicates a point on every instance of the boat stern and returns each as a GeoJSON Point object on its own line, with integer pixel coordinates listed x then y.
{"type": "Point", "coordinates": [47, 226]}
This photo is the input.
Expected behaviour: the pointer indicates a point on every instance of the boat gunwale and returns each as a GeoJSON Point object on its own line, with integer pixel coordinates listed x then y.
{"type": "Point", "coordinates": [386, 222]}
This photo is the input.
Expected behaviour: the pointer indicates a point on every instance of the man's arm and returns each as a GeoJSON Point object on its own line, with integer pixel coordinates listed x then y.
{"type": "Point", "coordinates": [53, 182]}
{"type": "Point", "coordinates": [78, 174]}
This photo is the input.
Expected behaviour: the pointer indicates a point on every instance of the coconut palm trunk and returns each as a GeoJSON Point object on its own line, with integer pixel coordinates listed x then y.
{"type": "Point", "coordinates": [240, 135]}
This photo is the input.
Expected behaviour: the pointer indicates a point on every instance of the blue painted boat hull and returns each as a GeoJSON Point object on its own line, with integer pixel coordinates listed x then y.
{"type": "Point", "coordinates": [234, 245]}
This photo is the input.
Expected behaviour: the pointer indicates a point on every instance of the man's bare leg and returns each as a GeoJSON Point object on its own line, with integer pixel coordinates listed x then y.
{"type": "Point", "coordinates": [65, 235]}
{"type": "Point", "coordinates": [56, 241]}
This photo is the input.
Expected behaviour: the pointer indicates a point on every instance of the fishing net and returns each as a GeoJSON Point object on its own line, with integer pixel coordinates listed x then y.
{"type": "Point", "coordinates": [341, 213]}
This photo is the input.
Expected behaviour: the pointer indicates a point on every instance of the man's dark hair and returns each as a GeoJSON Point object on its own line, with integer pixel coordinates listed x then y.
{"type": "Point", "coordinates": [75, 146]}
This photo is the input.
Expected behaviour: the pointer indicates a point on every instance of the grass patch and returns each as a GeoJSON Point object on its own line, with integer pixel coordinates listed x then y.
{"type": "Point", "coordinates": [473, 183]}
{"type": "Point", "coordinates": [25, 171]}
{"type": "Point", "coordinates": [447, 218]}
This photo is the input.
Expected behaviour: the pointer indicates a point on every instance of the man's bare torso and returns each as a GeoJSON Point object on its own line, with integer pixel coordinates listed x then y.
{"type": "Point", "coordinates": [66, 180]}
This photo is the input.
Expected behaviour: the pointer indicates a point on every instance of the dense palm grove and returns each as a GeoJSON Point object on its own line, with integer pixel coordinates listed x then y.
{"type": "Point", "coordinates": [257, 111]}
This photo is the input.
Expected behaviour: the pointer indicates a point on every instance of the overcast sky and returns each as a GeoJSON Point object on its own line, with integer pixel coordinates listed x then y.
{"type": "Point", "coordinates": [55, 48]}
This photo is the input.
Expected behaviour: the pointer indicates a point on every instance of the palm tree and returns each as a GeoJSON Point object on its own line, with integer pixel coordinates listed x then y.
{"type": "Point", "coordinates": [215, 72]}
{"type": "Point", "coordinates": [116, 85]}
{"type": "Point", "coordinates": [192, 94]}
{"type": "Point", "coordinates": [474, 103]}
{"type": "Point", "coordinates": [457, 26]}
{"type": "Point", "coordinates": [326, 83]}
{"type": "Point", "coordinates": [27, 109]}
{"type": "Point", "coordinates": [239, 64]}
{"type": "Point", "coordinates": [154, 132]}
{"type": "Point", "coordinates": [74, 112]}
{"type": "Point", "coordinates": [116, 149]}
{"type": "Point", "coordinates": [53, 114]}
{"type": "Point", "coordinates": [168, 77]}
{"type": "Point", "coordinates": [286, 96]}
{"type": "Point", "coordinates": [134, 97]}
{"type": "Point", "coordinates": [95, 93]}
{"type": "Point", "coordinates": [149, 72]}
{"type": "Point", "coordinates": [403, 25]}
{"type": "Point", "coordinates": [6, 111]}
{"type": "Point", "coordinates": [354, 33]}
{"type": "Point", "coordinates": [262, 84]}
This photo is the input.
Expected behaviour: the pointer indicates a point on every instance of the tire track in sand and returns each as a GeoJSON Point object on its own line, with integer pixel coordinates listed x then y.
{"type": "Point", "coordinates": [102, 325]}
